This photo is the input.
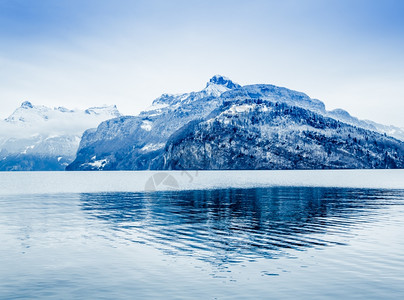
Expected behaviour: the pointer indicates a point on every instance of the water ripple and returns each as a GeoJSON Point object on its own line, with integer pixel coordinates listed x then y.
{"type": "Point", "coordinates": [236, 225]}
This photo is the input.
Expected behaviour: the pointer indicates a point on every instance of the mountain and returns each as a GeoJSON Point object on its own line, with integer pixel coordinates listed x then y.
{"type": "Point", "coordinates": [228, 126]}
{"type": "Point", "coordinates": [256, 134]}
{"type": "Point", "coordinates": [43, 138]}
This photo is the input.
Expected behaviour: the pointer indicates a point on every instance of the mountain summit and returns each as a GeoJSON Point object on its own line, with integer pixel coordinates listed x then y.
{"type": "Point", "coordinates": [26, 104]}
{"type": "Point", "coordinates": [223, 81]}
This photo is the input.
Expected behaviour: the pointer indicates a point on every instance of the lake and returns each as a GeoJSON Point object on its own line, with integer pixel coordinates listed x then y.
{"type": "Point", "coordinates": [202, 235]}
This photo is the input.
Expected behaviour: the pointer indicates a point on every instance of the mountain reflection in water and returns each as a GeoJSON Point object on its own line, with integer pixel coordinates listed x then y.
{"type": "Point", "coordinates": [236, 225]}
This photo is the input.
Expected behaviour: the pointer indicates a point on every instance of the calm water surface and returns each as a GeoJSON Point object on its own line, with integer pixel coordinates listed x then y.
{"type": "Point", "coordinates": [259, 243]}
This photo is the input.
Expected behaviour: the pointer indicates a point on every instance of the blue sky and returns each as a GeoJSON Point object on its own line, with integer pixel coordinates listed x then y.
{"type": "Point", "coordinates": [349, 54]}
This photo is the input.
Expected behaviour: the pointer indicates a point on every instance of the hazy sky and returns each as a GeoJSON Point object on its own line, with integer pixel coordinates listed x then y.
{"type": "Point", "coordinates": [349, 54]}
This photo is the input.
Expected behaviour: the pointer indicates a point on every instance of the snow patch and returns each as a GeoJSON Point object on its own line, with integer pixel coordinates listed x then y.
{"type": "Point", "coordinates": [27, 148]}
{"type": "Point", "coordinates": [146, 125]}
{"type": "Point", "coordinates": [235, 109]}
{"type": "Point", "coordinates": [98, 163]}
{"type": "Point", "coordinates": [215, 90]}
{"type": "Point", "coordinates": [152, 147]}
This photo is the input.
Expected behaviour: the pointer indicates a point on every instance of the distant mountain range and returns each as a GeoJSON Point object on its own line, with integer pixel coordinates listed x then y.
{"type": "Point", "coordinates": [228, 126]}
{"type": "Point", "coordinates": [42, 138]}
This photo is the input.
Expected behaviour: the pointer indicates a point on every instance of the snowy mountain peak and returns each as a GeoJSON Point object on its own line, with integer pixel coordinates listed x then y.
{"type": "Point", "coordinates": [26, 104]}
{"type": "Point", "coordinates": [223, 81]}
{"type": "Point", "coordinates": [28, 112]}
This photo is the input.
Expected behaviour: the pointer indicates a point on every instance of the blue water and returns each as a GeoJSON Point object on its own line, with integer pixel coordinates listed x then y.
{"type": "Point", "coordinates": [258, 243]}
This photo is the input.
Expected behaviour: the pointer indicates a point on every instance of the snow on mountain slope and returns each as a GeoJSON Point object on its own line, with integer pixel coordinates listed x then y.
{"type": "Point", "coordinates": [136, 143]}
{"type": "Point", "coordinates": [37, 137]}
{"type": "Point", "coordinates": [273, 93]}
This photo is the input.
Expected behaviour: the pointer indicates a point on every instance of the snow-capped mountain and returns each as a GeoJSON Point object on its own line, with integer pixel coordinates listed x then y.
{"type": "Point", "coordinates": [228, 126]}
{"type": "Point", "coordinates": [37, 137]}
